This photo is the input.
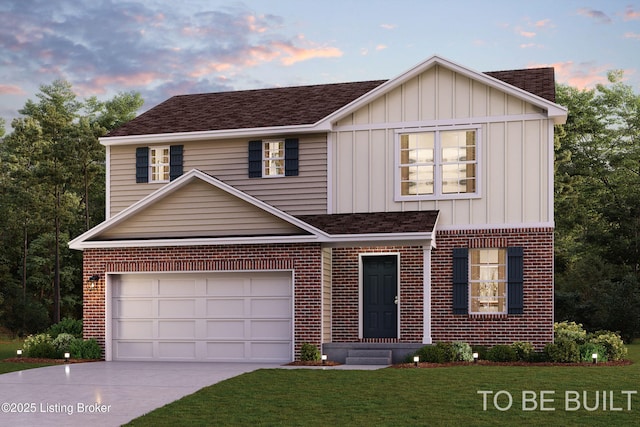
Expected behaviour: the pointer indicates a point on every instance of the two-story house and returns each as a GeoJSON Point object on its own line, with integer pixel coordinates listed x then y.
{"type": "Point", "coordinates": [380, 214]}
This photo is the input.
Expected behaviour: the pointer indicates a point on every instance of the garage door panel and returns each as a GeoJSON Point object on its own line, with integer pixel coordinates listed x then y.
{"type": "Point", "coordinates": [271, 307]}
{"type": "Point", "coordinates": [269, 330]}
{"type": "Point", "coordinates": [172, 308]}
{"type": "Point", "coordinates": [226, 351]}
{"type": "Point", "coordinates": [133, 329]}
{"type": "Point", "coordinates": [132, 308]}
{"type": "Point", "coordinates": [176, 329]}
{"type": "Point", "coordinates": [226, 286]}
{"type": "Point", "coordinates": [270, 351]}
{"type": "Point", "coordinates": [270, 287]}
{"type": "Point", "coordinates": [226, 307]}
{"type": "Point", "coordinates": [202, 316]}
{"type": "Point", "coordinates": [225, 329]}
{"type": "Point", "coordinates": [172, 287]}
{"type": "Point", "coordinates": [177, 350]}
{"type": "Point", "coordinates": [133, 350]}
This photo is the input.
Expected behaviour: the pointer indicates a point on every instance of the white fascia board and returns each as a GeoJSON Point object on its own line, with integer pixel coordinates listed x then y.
{"type": "Point", "coordinates": [554, 111]}
{"type": "Point", "coordinates": [165, 138]}
{"type": "Point", "coordinates": [337, 240]}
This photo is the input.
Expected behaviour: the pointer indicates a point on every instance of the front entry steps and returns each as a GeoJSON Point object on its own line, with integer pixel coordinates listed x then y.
{"type": "Point", "coordinates": [369, 357]}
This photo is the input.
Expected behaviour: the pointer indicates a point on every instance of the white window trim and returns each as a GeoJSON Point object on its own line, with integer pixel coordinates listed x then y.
{"type": "Point", "coordinates": [264, 159]}
{"type": "Point", "coordinates": [505, 280]}
{"type": "Point", "coordinates": [437, 195]}
{"type": "Point", "coordinates": [153, 165]}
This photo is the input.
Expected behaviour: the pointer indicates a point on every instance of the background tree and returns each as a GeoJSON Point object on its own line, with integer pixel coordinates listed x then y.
{"type": "Point", "coordinates": [52, 179]}
{"type": "Point", "coordinates": [598, 207]}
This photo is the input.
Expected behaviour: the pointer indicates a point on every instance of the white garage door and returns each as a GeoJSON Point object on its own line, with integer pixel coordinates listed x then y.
{"type": "Point", "coordinates": [237, 317]}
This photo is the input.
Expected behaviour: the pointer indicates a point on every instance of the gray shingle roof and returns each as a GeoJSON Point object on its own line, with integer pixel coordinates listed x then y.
{"type": "Point", "coordinates": [288, 106]}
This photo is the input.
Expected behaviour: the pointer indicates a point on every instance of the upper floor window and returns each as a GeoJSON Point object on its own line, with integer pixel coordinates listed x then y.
{"type": "Point", "coordinates": [158, 164]}
{"type": "Point", "coordinates": [439, 163]}
{"type": "Point", "coordinates": [273, 158]}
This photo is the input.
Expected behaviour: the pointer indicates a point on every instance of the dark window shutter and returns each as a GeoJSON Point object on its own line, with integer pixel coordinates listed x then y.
{"type": "Point", "coordinates": [515, 273]}
{"type": "Point", "coordinates": [255, 159]}
{"type": "Point", "coordinates": [175, 162]}
{"type": "Point", "coordinates": [460, 281]}
{"type": "Point", "coordinates": [291, 157]}
{"type": "Point", "coordinates": [142, 164]}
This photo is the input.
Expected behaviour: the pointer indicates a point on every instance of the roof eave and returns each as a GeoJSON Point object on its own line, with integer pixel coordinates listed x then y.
{"type": "Point", "coordinates": [167, 138]}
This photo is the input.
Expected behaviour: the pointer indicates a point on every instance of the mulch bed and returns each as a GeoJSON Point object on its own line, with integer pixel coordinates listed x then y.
{"type": "Point", "coordinates": [488, 363]}
{"type": "Point", "coordinates": [39, 360]}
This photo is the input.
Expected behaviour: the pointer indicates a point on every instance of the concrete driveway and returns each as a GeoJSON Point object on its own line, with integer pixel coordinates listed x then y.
{"type": "Point", "coordinates": [104, 393]}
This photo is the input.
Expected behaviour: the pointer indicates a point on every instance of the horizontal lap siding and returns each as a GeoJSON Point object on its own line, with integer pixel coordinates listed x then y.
{"type": "Point", "coordinates": [227, 160]}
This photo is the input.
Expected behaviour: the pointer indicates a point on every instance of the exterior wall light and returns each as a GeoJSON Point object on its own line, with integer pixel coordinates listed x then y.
{"type": "Point", "coordinates": [93, 280]}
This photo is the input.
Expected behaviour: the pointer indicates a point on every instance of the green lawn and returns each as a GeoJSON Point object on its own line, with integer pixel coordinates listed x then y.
{"type": "Point", "coordinates": [405, 397]}
{"type": "Point", "coordinates": [8, 347]}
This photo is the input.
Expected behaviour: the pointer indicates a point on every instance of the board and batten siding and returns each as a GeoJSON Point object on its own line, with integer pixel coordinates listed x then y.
{"type": "Point", "coordinates": [227, 161]}
{"type": "Point", "coordinates": [199, 210]}
{"type": "Point", "coordinates": [515, 151]}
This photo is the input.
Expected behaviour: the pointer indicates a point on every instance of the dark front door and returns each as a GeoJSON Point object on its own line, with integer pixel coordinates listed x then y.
{"type": "Point", "coordinates": [380, 296]}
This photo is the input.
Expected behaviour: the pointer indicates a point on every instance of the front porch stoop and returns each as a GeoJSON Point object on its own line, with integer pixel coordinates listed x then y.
{"type": "Point", "coordinates": [369, 357]}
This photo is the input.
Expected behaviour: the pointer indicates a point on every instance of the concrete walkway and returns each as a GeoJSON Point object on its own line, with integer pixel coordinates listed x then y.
{"type": "Point", "coordinates": [108, 393]}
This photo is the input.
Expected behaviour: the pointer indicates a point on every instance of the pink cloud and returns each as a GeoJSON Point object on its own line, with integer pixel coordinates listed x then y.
{"type": "Point", "coordinates": [99, 84]}
{"type": "Point", "coordinates": [543, 23]}
{"type": "Point", "coordinates": [293, 54]}
{"type": "Point", "coordinates": [581, 76]}
{"type": "Point", "coordinates": [11, 90]}
{"type": "Point", "coordinates": [631, 35]}
{"type": "Point", "coordinates": [630, 14]}
{"type": "Point", "coordinates": [527, 34]}
{"type": "Point", "coordinates": [388, 26]}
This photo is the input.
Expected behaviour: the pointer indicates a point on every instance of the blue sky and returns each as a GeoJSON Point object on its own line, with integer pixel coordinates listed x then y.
{"type": "Point", "coordinates": [162, 48]}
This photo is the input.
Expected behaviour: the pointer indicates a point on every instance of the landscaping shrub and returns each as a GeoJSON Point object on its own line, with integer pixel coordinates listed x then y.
{"type": "Point", "coordinates": [309, 352]}
{"type": "Point", "coordinates": [482, 351]}
{"type": "Point", "coordinates": [431, 354]}
{"type": "Point", "coordinates": [587, 349]}
{"type": "Point", "coordinates": [63, 342]}
{"type": "Point", "coordinates": [524, 350]}
{"type": "Point", "coordinates": [569, 331]}
{"type": "Point", "coordinates": [612, 343]}
{"type": "Point", "coordinates": [562, 351]}
{"type": "Point", "coordinates": [66, 326]}
{"type": "Point", "coordinates": [85, 349]}
{"type": "Point", "coordinates": [462, 352]}
{"type": "Point", "coordinates": [40, 346]}
{"type": "Point", "coordinates": [502, 353]}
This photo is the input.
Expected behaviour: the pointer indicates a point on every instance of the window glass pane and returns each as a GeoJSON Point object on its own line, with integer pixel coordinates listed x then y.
{"type": "Point", "coordinates": [273, 158]}
{"type": "Point", "coordinates": [488, 280]}
{"type": "Point", "coordinates": [159, 163]}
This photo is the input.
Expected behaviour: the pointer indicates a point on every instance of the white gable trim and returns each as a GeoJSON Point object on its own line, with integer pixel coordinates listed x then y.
{"type": "Point", "coordinates": [554, 111]}
{"type": "Point", "coordinates": [83, 241]}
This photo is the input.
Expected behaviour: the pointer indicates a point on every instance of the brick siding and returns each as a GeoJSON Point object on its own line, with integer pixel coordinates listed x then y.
{"type": "Point", "coordinates": [303, 259]}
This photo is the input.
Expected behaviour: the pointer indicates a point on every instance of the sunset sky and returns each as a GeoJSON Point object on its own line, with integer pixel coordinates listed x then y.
{"type": "Point", "coordinates": [162, 48]}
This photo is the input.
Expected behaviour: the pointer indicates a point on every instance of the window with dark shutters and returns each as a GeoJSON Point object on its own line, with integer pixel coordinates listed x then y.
{"type": "Point", "coordinates": [175, 159]}
{"type": "Point", "coordinates": [515, 273]}
{"type": "Point", "coordinates": [460, 281]}
{"type": "Point", "coordinates": [258, 160]}
{"type": "Point", "coordinates": [142, 164]}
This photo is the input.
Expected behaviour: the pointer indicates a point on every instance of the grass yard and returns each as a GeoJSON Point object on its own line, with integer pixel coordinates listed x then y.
{"type": "Point", "coordinates": [406, 397]}
{"type": "Point", "coordinates": [8, 347]}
